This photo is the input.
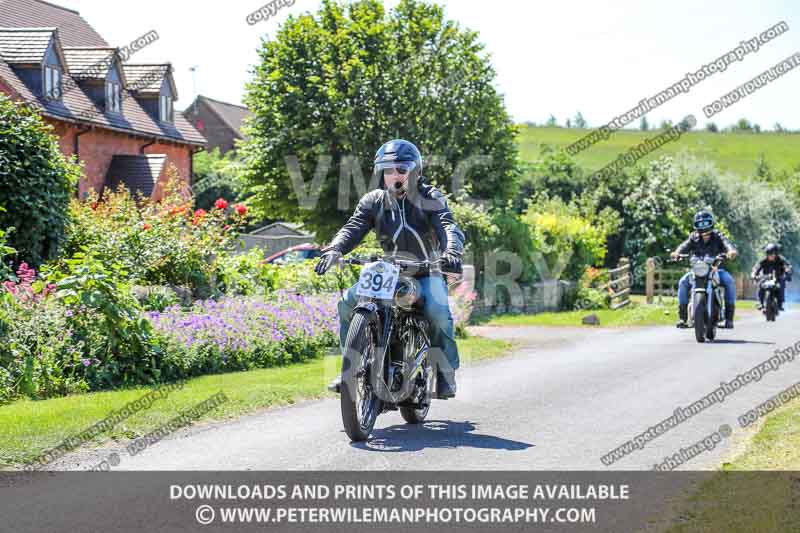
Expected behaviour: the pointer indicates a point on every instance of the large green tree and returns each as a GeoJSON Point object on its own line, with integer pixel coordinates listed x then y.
{"type": "Point", "coordinates": [333, 86]}
{"type": "Point", "coordinates": [35, 183]}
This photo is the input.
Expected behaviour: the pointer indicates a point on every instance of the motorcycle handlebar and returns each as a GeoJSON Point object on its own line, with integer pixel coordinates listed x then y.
{"type": "Point", "coordinates": [360, 261]}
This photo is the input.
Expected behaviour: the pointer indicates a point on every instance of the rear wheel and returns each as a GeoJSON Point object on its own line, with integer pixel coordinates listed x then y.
{"type": "Point", "coordinates": [360, 404]}
{"type": "Point", "coordinates": [700, 318]}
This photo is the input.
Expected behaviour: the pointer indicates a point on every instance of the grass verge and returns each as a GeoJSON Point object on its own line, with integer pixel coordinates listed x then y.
{"type": "Point", "coordinates": [638, 313]}
{"type": "Point", "coordinates": [27, 428]}
{"type": "Point", "coordinates": [758, 490]}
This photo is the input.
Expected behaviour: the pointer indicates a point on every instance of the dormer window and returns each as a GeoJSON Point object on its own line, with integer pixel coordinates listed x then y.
{"type": "Point", "coordinates": [52, 82]}
{"type": "Point", "coordinates": [113, 100]}
{"type": "Point", "coordinates": [165, 109]}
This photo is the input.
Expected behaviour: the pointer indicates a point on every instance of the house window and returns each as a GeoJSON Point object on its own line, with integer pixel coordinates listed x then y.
{"type": "Point", "coordinates": [113, 101]}
{"type": "Point", "coordinates": [165, 112]}
{"type": "Point", "coordinates": [52, 82]}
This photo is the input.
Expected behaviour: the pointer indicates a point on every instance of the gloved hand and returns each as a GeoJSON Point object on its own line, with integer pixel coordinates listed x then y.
{"type": "Point", "coordinates": [452, 263]}
{"type": "Point", "coordinates": [329, 257]}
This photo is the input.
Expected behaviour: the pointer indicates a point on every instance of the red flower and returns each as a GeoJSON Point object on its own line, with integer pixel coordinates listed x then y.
{"type": "Point", "coordinates": [221, 204]}
{"type": "Point", "coordinates": [94, 206]}
{"type": "Point", "coordinates": [200, 213]}
{"type": "Point", "coordinates": [241, 209]}
{"type": "Point", "coordinates": [146, 226]}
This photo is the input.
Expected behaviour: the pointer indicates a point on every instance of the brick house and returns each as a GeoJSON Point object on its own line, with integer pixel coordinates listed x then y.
{"type": "Point", "coordinates": [117, 118]}
{"type": "Point", "coordinates": [220, 122]}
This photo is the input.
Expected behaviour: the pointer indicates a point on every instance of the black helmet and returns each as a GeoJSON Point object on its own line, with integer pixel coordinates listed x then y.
{"type": "Point", "coordinates": [772, 248]}
{"type": "Point", "coordinates": [399, 151]}
{"type": "Point", "coordinates": [703, 221]}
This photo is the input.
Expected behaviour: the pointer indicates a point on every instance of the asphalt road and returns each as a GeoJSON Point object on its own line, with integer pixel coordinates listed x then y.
{"type": "Point", "coordinates": [562, 401]}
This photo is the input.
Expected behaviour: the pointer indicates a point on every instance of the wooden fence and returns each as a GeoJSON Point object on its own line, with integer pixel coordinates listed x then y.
{"type": "Point", "coordinates": [619, 284]}
{"type": "Point", "coordinates": [660, 282]}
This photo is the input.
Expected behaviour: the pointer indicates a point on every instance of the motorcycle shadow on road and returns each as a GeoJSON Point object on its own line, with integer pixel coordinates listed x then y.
{"type": "Point", "coordinates": [740, 341]}
{"type": "Point", "coordinates": [435, 434]}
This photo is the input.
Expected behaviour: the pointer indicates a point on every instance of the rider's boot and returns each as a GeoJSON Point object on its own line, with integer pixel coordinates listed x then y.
{"type": "Point", "coordinates": [683, 317]}
{"type": "Point", "coordinates": [445, 385]}
{"type": "Point", "coordinates": [336, 384]}
{"type": "Point", "coordinates": [729, 312]}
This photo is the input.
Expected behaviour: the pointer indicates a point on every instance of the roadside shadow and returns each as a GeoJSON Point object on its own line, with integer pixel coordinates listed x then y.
{"type": "Point", "coordinates": [740, 341]}
{"type": "Point", "coordinates": [435, 434]}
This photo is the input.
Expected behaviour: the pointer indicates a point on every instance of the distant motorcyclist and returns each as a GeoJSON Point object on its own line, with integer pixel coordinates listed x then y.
{"type": "Point", "coordinates": [706, 241]}
{"type": "Point", "coordinates": [413, 219]}
{"type": "Point", "coordinates": [773, 262]}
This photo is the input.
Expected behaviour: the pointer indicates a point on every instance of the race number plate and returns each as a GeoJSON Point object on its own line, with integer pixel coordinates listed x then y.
{"type": "Point", "coordinates": [378, 280]}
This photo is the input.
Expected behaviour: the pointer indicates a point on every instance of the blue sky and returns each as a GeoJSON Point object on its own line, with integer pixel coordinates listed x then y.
{"type": "Point", "coordinates": [600, 58]}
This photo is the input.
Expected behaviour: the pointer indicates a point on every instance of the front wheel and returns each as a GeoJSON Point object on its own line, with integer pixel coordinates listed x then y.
{"type": "Point", "coordinates": [772, 308]}
{"type": "Point", "coordinates": [700, 316]}
{"type": "Point", "coordinates": [360, 404]}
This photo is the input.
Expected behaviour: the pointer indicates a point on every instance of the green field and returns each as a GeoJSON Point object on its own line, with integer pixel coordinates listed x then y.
{"type": "Point", "coordinates": [734, 152]}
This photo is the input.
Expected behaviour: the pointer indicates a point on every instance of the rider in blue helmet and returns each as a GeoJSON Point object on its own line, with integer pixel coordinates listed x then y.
{"type": "Point", "coordinates": [410, 218]}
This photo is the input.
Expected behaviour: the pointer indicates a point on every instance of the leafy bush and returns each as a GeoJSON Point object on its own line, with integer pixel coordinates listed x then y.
{"type": "Point", "coordinates": [5, 270]}
{"type": "Point", "coordinates": [564, 240]}
{"type": "Point", "coordinates": [216, 176]}
{"type": "Point", "coordinates": [36, 183]}
{"type": "Point", "coordinates": [105, 315]}
{"type": "Point", "coordinates": [40, 355]}
{"type": "Point", "coordinates": [588, 294]}
{"type": "Point", "coordinates": [156, 297]}
{"type": "Point", "coordinates": [320, 92]}
{"type": "Point", "coordinates": [162, 243]}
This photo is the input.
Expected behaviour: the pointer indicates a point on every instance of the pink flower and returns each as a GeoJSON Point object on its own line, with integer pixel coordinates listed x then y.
{"type": "Point", "coordinates": [221, 204]}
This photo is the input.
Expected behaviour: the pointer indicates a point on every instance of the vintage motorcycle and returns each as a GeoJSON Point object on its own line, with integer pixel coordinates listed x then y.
{"type": "Point", "coordinates": [707, 304]}
{"type": "Point", "coordinates": [386, 362]}
{"type": "Point", "coordinates": [772, 288]}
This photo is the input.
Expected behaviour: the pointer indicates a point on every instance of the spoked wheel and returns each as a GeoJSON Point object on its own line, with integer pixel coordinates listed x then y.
{"type": "Point", "coordinates": [360, 404]}
{"type": "Point", "coordinates": [700, 317]}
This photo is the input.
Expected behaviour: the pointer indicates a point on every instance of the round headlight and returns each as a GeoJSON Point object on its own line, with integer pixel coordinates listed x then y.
{"type": "Point", "coordinates": [700, 269]}
{"type": "Point", "coordinates": [406, 294]}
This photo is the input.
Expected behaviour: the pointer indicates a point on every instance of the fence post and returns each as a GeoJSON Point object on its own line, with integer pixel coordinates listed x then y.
{"type": "Point", "coordinates": [650, 280]}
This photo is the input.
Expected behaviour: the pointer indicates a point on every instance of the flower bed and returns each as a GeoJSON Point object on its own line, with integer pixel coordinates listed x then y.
{"type": "Point", "coordinates": [245, 333]}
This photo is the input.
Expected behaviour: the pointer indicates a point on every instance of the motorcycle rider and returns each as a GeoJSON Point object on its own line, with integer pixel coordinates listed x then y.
{"type": "Point", "coordinates": [773, 262]}
{"type": "Point", "coordinates": [412, 219]}
{"type": "Point", "coordinates": [706, 241]}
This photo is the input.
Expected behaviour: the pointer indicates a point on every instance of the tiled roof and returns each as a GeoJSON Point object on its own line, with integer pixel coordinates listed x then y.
{"type": "Point", "coordinates": [76, 106]}
{"type": "Point", "coordinates": [144, 77]}
{"type": "Point", "coordinates": [81, 48]}
{"type": "Point", "coordinates": [36, 14]}
{"type": "Point", "coordinates": [89, 63]}
{"type": "Point", "coordinates": [24, 45]}
{"type": "Point", "coordinates": [230, 114]}
{"type": "Point", "coordinates": [137, 172]}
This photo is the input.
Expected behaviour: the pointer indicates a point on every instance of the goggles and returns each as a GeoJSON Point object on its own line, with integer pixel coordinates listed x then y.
{"type": "Point", "coordinates": [399, 168]}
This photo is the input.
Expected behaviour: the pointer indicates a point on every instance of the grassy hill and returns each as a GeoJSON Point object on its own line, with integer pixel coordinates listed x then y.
{"type": "Point", "coordinates": [734, 152]}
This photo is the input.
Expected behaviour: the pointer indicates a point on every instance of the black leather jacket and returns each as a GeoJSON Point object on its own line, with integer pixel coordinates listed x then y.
{"type": "Point", "coordinates": [696, 246]}
{"type": "Point", "coordinates": [780, 266]}
{"type": "Point", "coordinates": [421, 224]}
